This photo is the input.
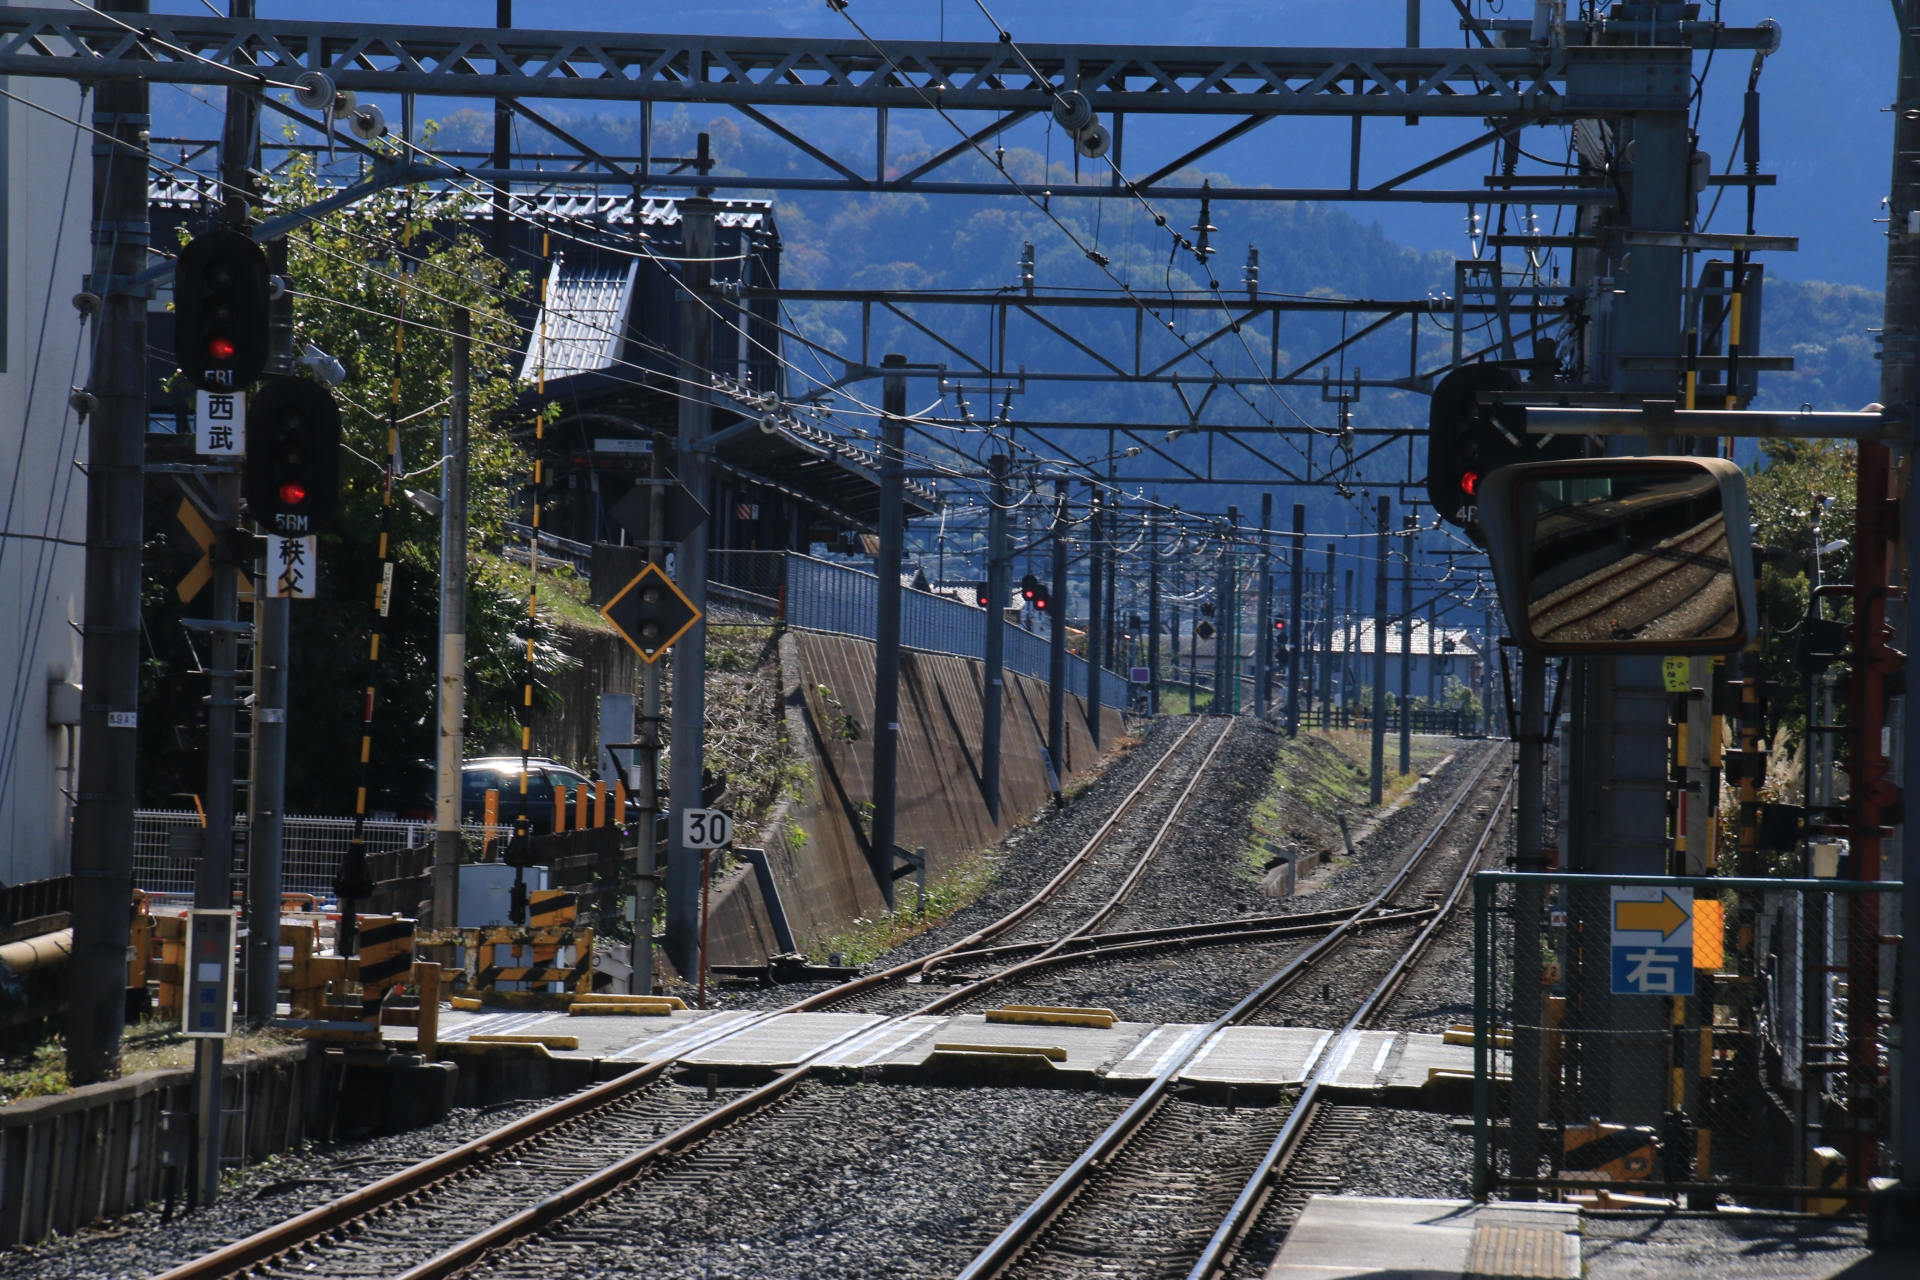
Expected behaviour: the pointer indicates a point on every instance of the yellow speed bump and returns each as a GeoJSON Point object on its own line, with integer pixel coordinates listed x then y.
{"type": "Point", "coordinates": [1462, 1033]}
{"type": "Point", "coordinates": [467, 1004]}
{"type": "Point", "coordinates": [601, 1009]}
{"type": "Point", "coordinates": [1053, 1016]}
{"type": "Point", "coordinates": [551, 1042]}
{"type": "Point", "coordinates": [608, 997]}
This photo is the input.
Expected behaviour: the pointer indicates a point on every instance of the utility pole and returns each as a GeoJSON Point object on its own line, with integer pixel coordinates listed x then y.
{"type": "Point", "coordinates": [447, 848]}
{"type": "Point", "coordinates": [1153, 611]}
{"type": "Point", "coordinates": [213, 877]}
{"type": "Point", "coordinates": [1895, 1214]}
{"type": "Point", "coordinates": [647, 836]}
{"type": "Point", "coordinates": [266, 793]}
{"type": "Point", "coordinates": [1057, 652]}
{"type": "Point", "coordinates": [1326, 643]}
{"type": "Point", "coordinates": [996, 648]}
{"type": "Point", "coordinates": [1529, 906]}
{"type": "Point", "coordinates": [1296, 637]}
{"type": "Point", "coordinates": [1263, 624]}
{"type": "Point", "coordinates": [1489, 643]}
{"type": "Point", "coordinates": [1406, 648]}
{"type": "Point", "coordinates": [886, 629]}
{"type": "Point", "coordinates": [1096, 608]}
{"type": "Point", "coordinates": [1379, 757]}
{"type": "Point", "coordinates": [1225, 673]}
{"type": "Point", "coordinates": [690, 654]}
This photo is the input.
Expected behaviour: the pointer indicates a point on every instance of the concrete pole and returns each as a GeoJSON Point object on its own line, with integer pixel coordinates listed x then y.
{"type": "Point", "coordinates": [1379, 756]}
{"type": "Point", "coordinates": [1057, 651]}
{"type": "Point", "coordinates": [690, 573]}
{"type": "Point", "coordinates": [1296, 638]}
{"type": "Point", "coordinates": [1153, 612]}
{"type": "Point", "coordinates": [1096, 607]}
{"type": "Point", "coordinates": [1226, 638]}
{"type": "Point", "coordinates": [646, 837]}
{"type": "Point", "coordinates": [1406, 649]}
{"type": "Point", "coordinates": [1895, 1215]}
{"type": "Point", "coordinates": [266, 794]}
{"type": "Point", "coordinates": [1263, 623]}
{"type": "Point", "coordinates": [213, 877]}
{"type": "Point", "coordinates": [1326, 640]}
{"type": "Point", "coordinates": [1529, 906]}
{"type": "Point", "coordinates": [447, 849]}
{"type": "Point", "coordinates": [992, 695]}
{"type": "Point", "coordinates": [886, 630]}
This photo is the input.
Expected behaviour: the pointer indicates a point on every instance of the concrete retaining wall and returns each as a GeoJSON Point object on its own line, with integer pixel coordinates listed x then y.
{"type": "Point", "coordinates": [817, 841]}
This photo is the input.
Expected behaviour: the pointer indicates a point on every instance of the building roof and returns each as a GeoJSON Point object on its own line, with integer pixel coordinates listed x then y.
{"type": "Point", "coordinates": [582, 325]}
{"type": "Point", "coordinates": [818, 466]}
{"type": "Point", "coordinates": [1464, 644]}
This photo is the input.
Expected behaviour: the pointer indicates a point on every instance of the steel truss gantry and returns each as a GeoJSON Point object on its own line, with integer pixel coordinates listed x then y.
{"type": "Point", "coordinates": [1526, 85]}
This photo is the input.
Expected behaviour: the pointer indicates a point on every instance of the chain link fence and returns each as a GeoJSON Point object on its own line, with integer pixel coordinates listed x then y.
{"type": "Point", "coordinates": [1688, 1038]}
{"type": "Point", "coordinates": [166, 845]}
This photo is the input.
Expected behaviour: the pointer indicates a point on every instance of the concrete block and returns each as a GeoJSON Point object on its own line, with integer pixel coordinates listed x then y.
{"type": "Point", "coordinates": [419, 1093]}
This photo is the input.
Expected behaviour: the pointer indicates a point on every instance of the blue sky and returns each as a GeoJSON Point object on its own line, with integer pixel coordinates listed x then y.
{"type": "Point", "coordinates": [1825, 131]}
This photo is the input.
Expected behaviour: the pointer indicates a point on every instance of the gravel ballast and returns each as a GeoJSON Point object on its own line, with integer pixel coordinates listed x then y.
{"type": "Point", "coordinates": [252, 1199]}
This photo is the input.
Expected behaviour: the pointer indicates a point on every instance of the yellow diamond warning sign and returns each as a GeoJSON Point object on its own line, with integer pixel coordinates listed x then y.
{"type": "Point", "coordinates": [650, 613]}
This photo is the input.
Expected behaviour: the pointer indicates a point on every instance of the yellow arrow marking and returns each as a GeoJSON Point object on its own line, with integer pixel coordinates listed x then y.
{"type": "Point", "coordinates": [1665, 917]}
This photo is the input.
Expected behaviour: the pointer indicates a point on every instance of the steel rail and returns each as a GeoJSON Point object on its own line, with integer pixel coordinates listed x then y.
{"type": "Point", "coordinates": [1068, 871]}
{"type": "Point", "coordinates": [1174, 932]}
{"type": "Point", "coordinates": [534, 1217]}
{"type": "Point", "coordinates": [1012, 1242]}
{"type": "Point", "coordinates": [335, 1215]}
{"type": "Point", "coordinates": [1227, 1238]}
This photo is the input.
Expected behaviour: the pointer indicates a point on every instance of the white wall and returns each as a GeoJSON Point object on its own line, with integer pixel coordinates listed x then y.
{"type": "Point", "coordinates": [44, 216]}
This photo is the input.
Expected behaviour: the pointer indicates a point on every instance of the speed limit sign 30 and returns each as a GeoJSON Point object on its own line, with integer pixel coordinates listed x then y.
{"type": "Point", "coordinates": [706, 828]}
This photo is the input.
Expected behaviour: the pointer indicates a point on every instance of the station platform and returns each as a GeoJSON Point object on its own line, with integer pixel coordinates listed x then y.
{"type": "Point", "coordinates": [1349, 1237]}
{"type": "Point", "coordinates": [742, 1044]}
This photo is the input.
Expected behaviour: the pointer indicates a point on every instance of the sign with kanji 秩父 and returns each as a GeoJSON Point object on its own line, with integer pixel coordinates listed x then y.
{"type": "Point", "coordinates": [293, 568]}
{"type": "Point", "coordinates": [1652, 935]}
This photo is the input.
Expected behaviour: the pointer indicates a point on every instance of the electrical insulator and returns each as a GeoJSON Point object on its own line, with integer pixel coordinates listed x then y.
{"type": "Point", "coordinates": [1026, 267]}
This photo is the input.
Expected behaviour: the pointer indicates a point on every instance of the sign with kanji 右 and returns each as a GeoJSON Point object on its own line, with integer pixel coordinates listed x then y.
{"type": "Point", "coordinates": [220, 423]}
{"type": "Point", "coordinates": [293, 568]}
{"type": "Point", "coordinates": [1652, 937]}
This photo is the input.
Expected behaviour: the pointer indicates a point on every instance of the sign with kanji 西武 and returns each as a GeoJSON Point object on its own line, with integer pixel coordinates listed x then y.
{"type": "Point", "coordinates": [220, 423]}
{"type": "Point", "coordinates": [1652, 936]}
{"type": "Point", "coordinates": [293, 568]}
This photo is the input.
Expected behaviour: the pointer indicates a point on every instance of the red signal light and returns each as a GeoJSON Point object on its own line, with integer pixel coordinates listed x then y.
{"type": "Point", "coordinates": [1470, 483]}
{"type": "Point", "coordinates": [293, 493]}
{"type": "Point", "coordinates": [220, 348]}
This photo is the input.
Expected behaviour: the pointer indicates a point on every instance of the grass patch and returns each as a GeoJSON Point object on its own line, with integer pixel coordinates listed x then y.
{"type": "Point", "coordinates": [869, 936]}
{"type": "Point", "coordinates": [1318, 777]}
{"type": "Point", "coordinates": [1173, 699]}
{"type": "Point", "coordinates": [148, 1045]}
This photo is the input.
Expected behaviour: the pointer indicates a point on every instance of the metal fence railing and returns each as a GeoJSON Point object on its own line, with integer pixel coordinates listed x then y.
{"type": "Point", "coordinates": [313, 848]}
{"type": "Point", "coordinates": [1684, 1037]}
{"type": "Point", "coordinates": [818, 595]}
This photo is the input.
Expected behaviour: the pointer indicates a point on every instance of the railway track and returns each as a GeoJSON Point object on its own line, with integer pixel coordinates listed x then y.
{"type": "Point", "coordinates": [447, 1214]}
{"type": "Point", "coordinates": [1111, 1211]}
{"type": "Point", "coordinates": [424, 1216]}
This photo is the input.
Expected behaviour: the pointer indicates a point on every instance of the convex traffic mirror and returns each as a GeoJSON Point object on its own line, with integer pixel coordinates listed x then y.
{"type": "Point", "coordinates": [1613, 555]}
